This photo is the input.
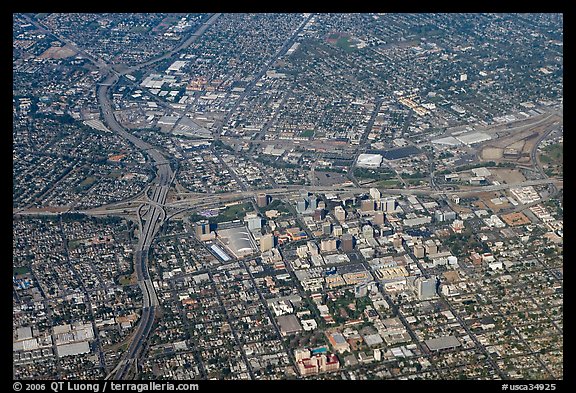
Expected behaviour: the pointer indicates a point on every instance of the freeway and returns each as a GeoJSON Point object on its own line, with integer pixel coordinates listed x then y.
{"type": "Point", "coordinates": [193, 200]}
{"type": "Point", "coordinates": [333, 189]}
{"type": "Point", "coordinates": [153, 218]}
{"type": "Point", "coordinates": [193, 37]}
{"type": "Point", "coordinates": [149, 226]}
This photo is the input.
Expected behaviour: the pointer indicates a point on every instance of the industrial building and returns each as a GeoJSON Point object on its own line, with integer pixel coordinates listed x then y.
{"type": "Point", "coordinates": [289, 324]}
{"type": "Point", "coordinates": [219, 252]}
{"type": "Point", "coordinates": [73, 349]}
{"type": "Point", "coordinates": [442, 343]}
{"type": "Point", "coordinates": [473, 138]}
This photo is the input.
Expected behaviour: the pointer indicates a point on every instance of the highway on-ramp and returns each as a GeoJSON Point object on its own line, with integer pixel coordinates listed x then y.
{"type": "Point", "coordinates": [151, 221]}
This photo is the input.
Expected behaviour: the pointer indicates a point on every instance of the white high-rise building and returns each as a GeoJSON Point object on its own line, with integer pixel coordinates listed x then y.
{"type": "Point", "coordinates": [388, 204]}
{"type": "Point", "coordinates": [254, 221]}
{"type": "Point", "coordinates": [426, 287]}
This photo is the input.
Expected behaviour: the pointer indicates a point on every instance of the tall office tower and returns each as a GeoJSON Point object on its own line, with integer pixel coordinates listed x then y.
{"type": "Point", "coordinates": [337, 230]}
{"type": "Point", "coordinates": [319, 214]}
{"type": "Point", "coordinates": [301, 206]}
{"type": "Point", "coordinates": [431, 247]}
{"type": "Point", "coordinates": [367, 205]}
{"type": "Point", "coordinates": [388, 205]}
{"type": "Point", "coordinates": [266, 242]}
{"type": "Point", "coordinates": [202, 228]}
{"type": "Point", "coordinates": [340, 213]}
{"type": "Point", "coordinates": [328, 245]}
{"type": "Point", "coordinates": [368, 231]}
{"type": "Point", "coordinates": [347, 242]}
{"type": "Point", "coordinates": [312, 203]}
{"type": "Point", "coordinates": [426, 287]}
{"type": "Point", "coordinates": [312, 247]}
{"type": "Point", "coordinates": [438, 216]}
{"type": "Point", "coordinates": [379, 218]}
{"type": "Point", "coordinates": [262, 200]}
{"type": "Point", "coordinates": [397, 241]}
{"type": "Point", "coordinates": [419, 250]}
{"type": "Point", "coordinates": [375, 193]}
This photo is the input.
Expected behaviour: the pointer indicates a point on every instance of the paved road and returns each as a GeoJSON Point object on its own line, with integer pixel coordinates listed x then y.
{"type": "Point", "coordinates": [287, 44]}
{"type": "Point", "coordinates": [456, 314]}
{"type": "Point", "coordinates": [536, 161]}
{"type": "Point", "coordinates": [193, 200]}
{"type": "Point", "coordinates": [154, 216]}
{"type": "Point", "coordinates": [164, 177]}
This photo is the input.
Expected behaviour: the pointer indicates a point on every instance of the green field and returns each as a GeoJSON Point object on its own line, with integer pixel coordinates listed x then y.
{"type": "Point", "coordinates": [416, 182]}
{"type": "Point", "coordinates": [388, 184]}
{"type": "Point", "coordinates": [344, 43]}
{"type": "Point", "coordinates": [20, 270]}
{"type": "Point", "coordinates": [381, 174]}
{"type": "Point", "coordinates": [115, 174]}
{"type": "Point", "coordinates": [235, 212]}
{"type": "Point", "coordinates": [74, 244]}
{"type": "Point", "coordinates": [88, 182]}
{"type": "Point", "coordinates": [126, 280]}
{"type": "Point", "coordinates": [276, 204]}
{"type": "Point", "coordinates": [553, 154]}
{"type": "Point", "coordinates": [139, 29]}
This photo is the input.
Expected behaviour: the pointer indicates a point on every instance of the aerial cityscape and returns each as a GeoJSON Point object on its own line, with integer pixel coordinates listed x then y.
{"type": "Point", "coordinates": [282, 196]}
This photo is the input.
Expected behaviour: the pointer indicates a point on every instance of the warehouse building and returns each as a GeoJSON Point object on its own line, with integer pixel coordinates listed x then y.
{"type": "Point", "coordinates": [442, 343]}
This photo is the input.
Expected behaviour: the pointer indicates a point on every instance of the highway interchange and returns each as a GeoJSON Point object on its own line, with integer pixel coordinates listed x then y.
{"type": "Point", "coordinates": [152, 209]}
{"type": "Point", "coordinates": [150, 221]}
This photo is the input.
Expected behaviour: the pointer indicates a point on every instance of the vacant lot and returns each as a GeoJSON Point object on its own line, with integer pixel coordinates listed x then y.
{"type": "Point", "coordinates": [508, 176]}
{"type": "Point", "coordinates": [57, 52]}
{"type": "Point", "coordinates": [330, 178]}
